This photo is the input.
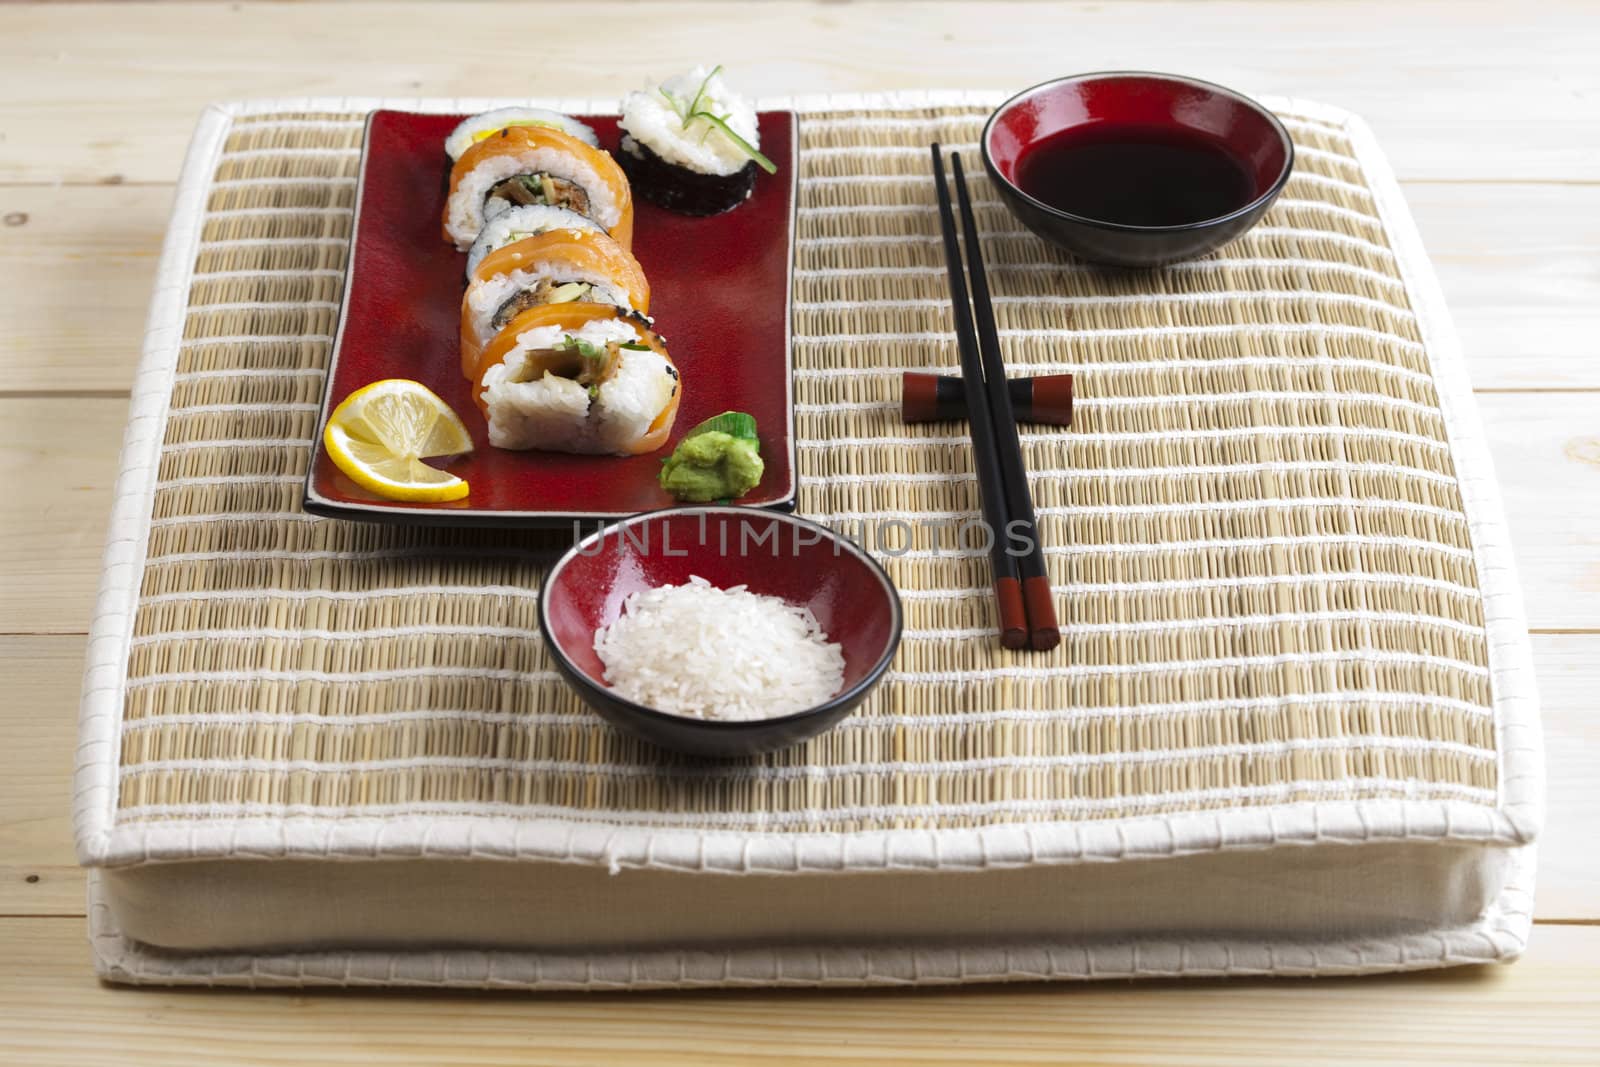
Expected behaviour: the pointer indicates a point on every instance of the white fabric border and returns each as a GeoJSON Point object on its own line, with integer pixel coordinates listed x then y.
{"type": "Point", "coordinates": [1498, 935]}
{"type": "Point", "coordinates": [1514, 823]}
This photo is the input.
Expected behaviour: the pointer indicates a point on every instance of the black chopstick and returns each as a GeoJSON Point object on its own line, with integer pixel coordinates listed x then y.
{"type": "Point", "coordinates": [1044, 632]}
{"type": "Point", "coordinates": [991, 484]}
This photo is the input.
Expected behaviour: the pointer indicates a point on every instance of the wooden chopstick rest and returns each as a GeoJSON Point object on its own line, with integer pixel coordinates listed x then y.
{"type": "Point", "coordinates": [942, 398]}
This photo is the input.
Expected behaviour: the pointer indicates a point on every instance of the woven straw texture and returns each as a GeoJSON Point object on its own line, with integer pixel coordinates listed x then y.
{"type": "Point", "coordinates": [1255, 532]}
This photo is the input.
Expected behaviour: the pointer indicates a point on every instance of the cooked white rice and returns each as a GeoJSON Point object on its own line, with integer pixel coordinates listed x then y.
{"type": "Point", "coordinates": [465, 206]}
{"type": "Point", "coordinates": [555, 413]}
{"type": "Point", "coordinates": [710, 653]}
{"type": "Point", "coordinates": [521, 222]}
{"type": "Point", "coordinates": [701, 147]}
{"type": "Point", "coordinates": [463, 136]}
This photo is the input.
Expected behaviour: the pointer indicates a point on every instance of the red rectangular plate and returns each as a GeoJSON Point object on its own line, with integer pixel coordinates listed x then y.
{"type": "Point", "coordinates": [719, 292]}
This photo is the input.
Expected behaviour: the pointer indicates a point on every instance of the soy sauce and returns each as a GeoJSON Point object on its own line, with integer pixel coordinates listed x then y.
{"type": "Point", "coordinates": [1136, 175]}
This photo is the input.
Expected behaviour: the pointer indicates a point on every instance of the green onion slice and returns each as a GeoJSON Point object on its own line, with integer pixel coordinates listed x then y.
{"type": "Point", "coordinates": [586, 349]}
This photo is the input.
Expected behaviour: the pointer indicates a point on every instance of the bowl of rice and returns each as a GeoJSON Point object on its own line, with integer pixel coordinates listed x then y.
{"type": "Point", "coordinates": [720, 631]}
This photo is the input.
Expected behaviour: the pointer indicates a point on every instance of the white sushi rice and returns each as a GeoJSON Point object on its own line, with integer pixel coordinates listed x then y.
{"type": "Point", "coordinates": [485, 297]}
{"type": "Point", "coordinates": [465, 206]}
{"type": "Point", "coordinates": [649, 117]}
{"type": "Point", "coordinates": [710, 653]}
{"type": "Point", "coordinates": [464, 136]}
{"type": "Point", "coordinates": [555, 414]}
{"type": "Point", "coordinates": [521, 222]}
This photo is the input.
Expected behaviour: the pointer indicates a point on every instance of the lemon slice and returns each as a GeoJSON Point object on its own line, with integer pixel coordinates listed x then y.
{"type": "Point", "coordinates": [381, 434]}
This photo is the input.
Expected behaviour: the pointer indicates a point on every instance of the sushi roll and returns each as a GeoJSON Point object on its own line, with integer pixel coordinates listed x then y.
{"type": "Point", "coordinates": [481, 127]}
{"type": "Point", "coordinates": [520, 223]}
{"type": "Point", "coordinates": [691, 144]}
{"type": "Point", "coordinates": [578, 378]}
{"type": "Point", "coordinates": [524, 165]}
{"type": "Point", "coordinates": [562, 266]}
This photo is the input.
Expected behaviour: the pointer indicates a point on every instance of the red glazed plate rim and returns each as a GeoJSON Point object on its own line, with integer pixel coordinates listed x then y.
{"type": "Point", "coordinates": [315, 502]}
{"type": "Point", "coordinates": [1150, 75]}
{"type": "Point", "coordinates": [871, 678]}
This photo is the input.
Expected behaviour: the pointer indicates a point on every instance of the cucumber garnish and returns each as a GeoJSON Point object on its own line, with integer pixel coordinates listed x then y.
{"type": "Point", "coordinates": [693, 111]}
{"type": "Point", "coordinates": [565, 294]}
{"type": "Point", "coordinates": [694, 105]}
{"type": "Point", "coordinates": [744, 146]}
{"type": "Point", "coordinates": [735, 424]}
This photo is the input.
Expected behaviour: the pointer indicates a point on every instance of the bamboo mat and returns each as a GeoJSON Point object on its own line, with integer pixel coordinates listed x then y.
{"type": "Point", "coordinates": [1257, 539]}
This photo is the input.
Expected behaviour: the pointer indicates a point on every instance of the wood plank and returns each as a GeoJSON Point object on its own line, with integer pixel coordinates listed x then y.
{"type": "Point", "coordinates": [35, 890]}
{"type": "Point", "coordinates": [1546, 451]}
{"type": "Point", "coordinates": [1517, 98]}
{"type": "Point", "coordinates": [1546, 448]}
{"type": "Point", "coordinates": [1517, 263]}
{"type": "Point", "coordinates": [58, 461]}
{"type": "Point", "coordinates": [41, 725]}
{"type": "Point", "coordinates": [1520, 267]}
{"type": "Point", "coordinates": [1545, 1007]}
{"type": "Point", "coordinates": [39, 720]}
{"type": "Point", "coordinates": [77, 267]}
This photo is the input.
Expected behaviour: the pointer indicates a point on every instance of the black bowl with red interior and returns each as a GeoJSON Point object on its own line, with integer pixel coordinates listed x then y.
{"type": "Point", "coordinates": [1136, 169]}
{"type": "Point", "coordinates": [772, 554]}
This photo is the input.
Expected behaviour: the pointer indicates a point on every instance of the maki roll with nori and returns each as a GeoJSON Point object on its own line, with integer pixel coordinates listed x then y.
{"type": "Point", "coordinates": [482, 127]}
{"type": "Point", "coordinates": [691, 144]}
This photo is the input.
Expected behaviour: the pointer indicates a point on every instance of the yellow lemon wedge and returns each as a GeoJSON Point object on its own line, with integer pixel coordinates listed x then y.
{"type": "Point", "coordinates": [381, 434]}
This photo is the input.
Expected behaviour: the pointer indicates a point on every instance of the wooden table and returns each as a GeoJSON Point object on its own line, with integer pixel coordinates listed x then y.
{"type": "Point", "coordinates": [1491, 113]}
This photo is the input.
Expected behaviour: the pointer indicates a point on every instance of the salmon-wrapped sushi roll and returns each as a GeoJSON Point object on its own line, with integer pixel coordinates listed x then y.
{"type": "Point", "coordinates": [578, 378]}
{"type": "Point", "coordinates": [558, 267]}
{"type": "Point", "coordinates": [519, 224]}
{"type": "Point", "coordinates": [526, 165]}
